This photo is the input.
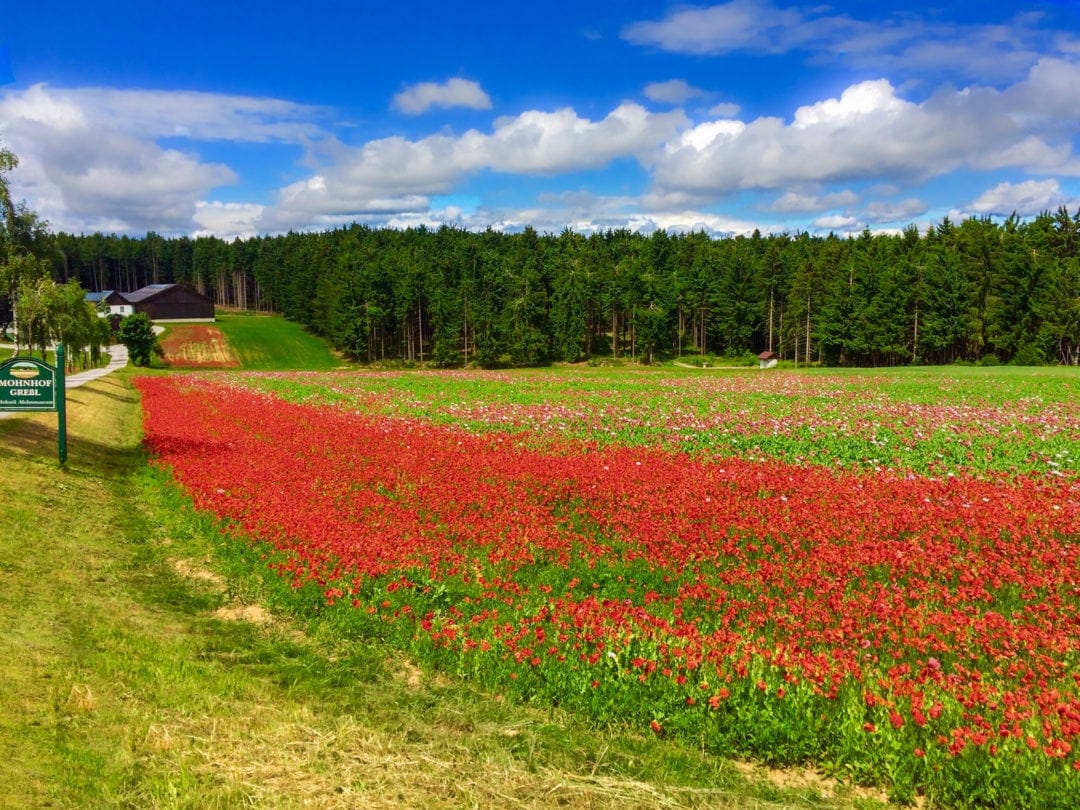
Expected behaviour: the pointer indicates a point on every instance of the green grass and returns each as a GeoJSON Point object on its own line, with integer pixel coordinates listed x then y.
{"type": "Point", "coordinates": [268, 342]}
{"type": "Point", "coordinates": [138, 670]}
{"type": "Point", "coordinates": [49, 357]}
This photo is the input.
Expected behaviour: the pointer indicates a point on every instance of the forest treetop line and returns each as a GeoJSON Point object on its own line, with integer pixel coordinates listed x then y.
{"type": "Point", "coordinates": [973, 291]}
{"type": "Point", "coordinates": [976, 290]}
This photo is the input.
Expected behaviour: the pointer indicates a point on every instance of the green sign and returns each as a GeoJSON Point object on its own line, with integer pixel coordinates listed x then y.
{"type": "Point", "coordinates": [27, 384]}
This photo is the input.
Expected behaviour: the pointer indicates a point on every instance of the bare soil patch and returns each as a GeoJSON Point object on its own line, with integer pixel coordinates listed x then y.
{"type": "Point", "coordinates": [807, 779]}
{"type": "Point", "coordinates": [198, 345]}
{"type": "Point", "coordinates": [253, 614]}
{"type": "Point", "coordinates": [189, 570]}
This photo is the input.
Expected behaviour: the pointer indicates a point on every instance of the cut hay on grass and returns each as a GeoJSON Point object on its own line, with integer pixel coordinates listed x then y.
{"type": "Point", "coordinates": [271, 755]}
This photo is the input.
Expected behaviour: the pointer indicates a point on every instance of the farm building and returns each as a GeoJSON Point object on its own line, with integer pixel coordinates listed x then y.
{"type": "Point", "coordinates": [162, 302]}
{"type": "Point", "coordinates": [109, 303]}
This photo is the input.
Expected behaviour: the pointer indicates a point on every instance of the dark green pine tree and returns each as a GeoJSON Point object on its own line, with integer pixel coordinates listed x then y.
{"type": "Point", "coordinates": [943, 332]}
{"type": "Point", "coordinates": [569, 309]}
{"type": "Point", "coordinates": [528, 301]}
{"type": "Point", "coordinates": [738, 307]}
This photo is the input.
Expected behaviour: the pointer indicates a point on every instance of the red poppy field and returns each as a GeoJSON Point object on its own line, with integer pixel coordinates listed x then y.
{"type": "Point", "coordinates": [878, 576]}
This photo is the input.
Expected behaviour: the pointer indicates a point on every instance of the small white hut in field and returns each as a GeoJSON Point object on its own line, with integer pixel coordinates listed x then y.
{"type": "Point", "coordinates": [767, 359]}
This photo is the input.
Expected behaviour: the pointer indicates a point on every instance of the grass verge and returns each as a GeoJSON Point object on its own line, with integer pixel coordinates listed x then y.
{"type": "Point", "coordinates": [139, 672]}
{"type": "Point", "coordinates": [269, 342]}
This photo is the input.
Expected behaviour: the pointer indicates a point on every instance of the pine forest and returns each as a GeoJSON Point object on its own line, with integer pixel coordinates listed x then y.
{"type": "Point", "coordinates": [974, 291]}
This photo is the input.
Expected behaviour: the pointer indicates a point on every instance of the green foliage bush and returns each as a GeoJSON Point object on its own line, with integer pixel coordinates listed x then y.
{"type": "Point", "coordinates": [137, 334]}
{"type": "Point", "coordinates": [1029, 355]}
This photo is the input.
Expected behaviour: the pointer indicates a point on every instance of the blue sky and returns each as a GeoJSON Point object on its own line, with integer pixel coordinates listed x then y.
{"type": "Point", "coordinates": [246, 118]}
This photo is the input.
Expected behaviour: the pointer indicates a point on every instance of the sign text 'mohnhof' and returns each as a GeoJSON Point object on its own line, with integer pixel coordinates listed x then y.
{"type": "Point", "coordinates": [27, 384]}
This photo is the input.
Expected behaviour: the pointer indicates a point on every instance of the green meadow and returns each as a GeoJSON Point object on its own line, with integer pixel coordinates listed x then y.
{"type": "Point", "coordinates": [264, 342]}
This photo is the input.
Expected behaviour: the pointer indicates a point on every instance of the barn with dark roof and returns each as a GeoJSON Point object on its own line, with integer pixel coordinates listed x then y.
{"type": "Point", "coordinates": [166, 302]}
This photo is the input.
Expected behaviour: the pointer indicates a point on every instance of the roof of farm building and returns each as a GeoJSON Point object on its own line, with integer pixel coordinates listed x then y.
{"type": "Point", "coordinates": [149, 291]}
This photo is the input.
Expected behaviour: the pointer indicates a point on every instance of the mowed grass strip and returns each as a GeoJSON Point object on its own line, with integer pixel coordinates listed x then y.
{"type": "Point", "coordinates": [269, 342]}
{"type": "Point", "coordinates": [140, 670]}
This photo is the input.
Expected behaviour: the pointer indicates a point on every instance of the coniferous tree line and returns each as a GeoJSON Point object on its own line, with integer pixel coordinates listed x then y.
{"type": "Point", "coordinates": [970, 291]}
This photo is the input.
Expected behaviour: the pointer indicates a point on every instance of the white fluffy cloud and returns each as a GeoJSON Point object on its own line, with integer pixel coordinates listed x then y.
{"type": "Point", "coordinates": [540, 142]}
{"type": "Point", "coordinates": [870, 132]}
{"type": "Point", "coordinates": [847, 210]}
{"type": "Point", "coordinates": [1028, 198]}
{"type": "Point", "coordinates": [400, 172]}
{"type": "Point", "coordinates": [114, 160]}
{"type": "Point", "coordinates": [838, 222]}
{"type": "Point", "coordinates": [96, 158]}
{"type": "Point", "coordinates": [90, 158]}
{"type": "Point", "coordinates": [91, 179]}
{"type": "Point", "coordinates": [420, 98]}
{"type": "Point", "coordinates": [162, 114]}
{"type": "Point", "coordinates": [227, 220]}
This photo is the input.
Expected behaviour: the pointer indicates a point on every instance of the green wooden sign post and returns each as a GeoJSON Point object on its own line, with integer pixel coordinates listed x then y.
{"type": "Point", "coordinates": [29, 384]}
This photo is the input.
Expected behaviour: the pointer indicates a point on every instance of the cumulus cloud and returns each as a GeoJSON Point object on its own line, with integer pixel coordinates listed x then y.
{"type": "Point", "coordinates": [869, 136]}
{"type": "Point", "coordinates": [419, 98]}
{"type": "Point", "coordinates": [135, 181]}
{"type": "Point", "coordinates": [105, 159]}
{"type": "Point", "coordinates": [858, 103]}
{"type": "Point", "coordinates": [113, 160]}
{"type": "Point", "coordinates": [400, 172]}
{"type": "Point", "coordinates": [581, 211]}
{"type": "Point", "coordinates": [1028, 198]}
{"type": "Point", "coordinates": [848, 211]}
{"type": "Point", "coordinates": [871, 132]}
{"type": "Point", "coordinates": [838, 222]}
{"type": "Point", "coordinates": [542, 142]}
{"type": "Point", "coordinates": [84, 179]}
{"type": "Point", "coordinates": [689, 221]}
{"type": "Point", "coordinates": [1048, 97]}
{"type": "Point", "coordinates": [163, 113]}
{"type": "Point", "coordinates": [227, 220]}
{"type": "Point", "coordinates": [90, 158]}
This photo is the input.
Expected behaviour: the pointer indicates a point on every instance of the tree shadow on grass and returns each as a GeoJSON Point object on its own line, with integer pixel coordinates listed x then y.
{"type": "Point", "coordinates": [105, 387]}
{"type": "Point", "coordinates": [23, 440]}
{"type": "Point", "coordinates": [103, 439]}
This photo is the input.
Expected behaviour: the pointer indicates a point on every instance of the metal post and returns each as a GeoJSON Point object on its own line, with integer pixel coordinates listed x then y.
{"type": "Point", "coordinates": [61, 404]}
